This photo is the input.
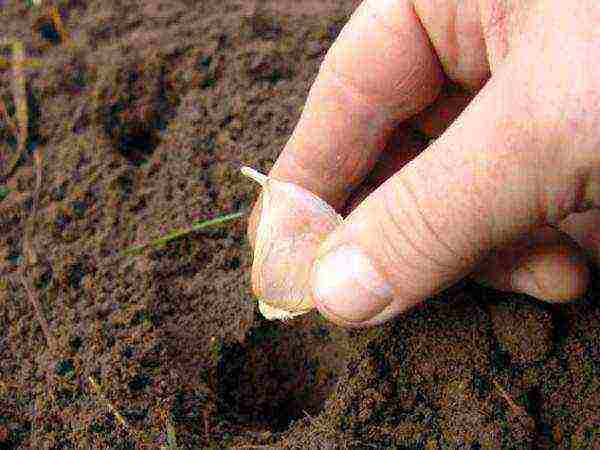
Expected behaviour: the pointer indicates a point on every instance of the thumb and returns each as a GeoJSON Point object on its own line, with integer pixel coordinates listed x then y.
{"type": "Point", "coordinates": [494, 176]}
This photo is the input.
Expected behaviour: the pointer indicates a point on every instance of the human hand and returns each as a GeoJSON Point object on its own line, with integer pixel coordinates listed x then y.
{"type": "Point", "coordinates": [509, 190]}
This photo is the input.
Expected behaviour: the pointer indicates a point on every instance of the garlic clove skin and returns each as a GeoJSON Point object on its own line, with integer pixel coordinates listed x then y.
{"type": "Point", "coordinates": [272, 313]}
{"type": "Point", "coordinates": [292, 225]}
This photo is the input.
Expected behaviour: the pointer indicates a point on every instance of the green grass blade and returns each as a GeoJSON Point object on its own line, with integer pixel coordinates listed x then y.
{"type": "Point", "coordinates": [4, 191]}
{"type": "Point", "coordinates": [179, 233]}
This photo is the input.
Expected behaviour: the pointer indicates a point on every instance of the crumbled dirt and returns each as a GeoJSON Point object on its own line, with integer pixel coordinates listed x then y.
{"type": "Point", "coordinates": [137, 116]}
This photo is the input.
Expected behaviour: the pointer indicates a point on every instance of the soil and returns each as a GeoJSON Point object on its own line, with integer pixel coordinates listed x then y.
{"type": "Point", "coordinates": [136, 112]}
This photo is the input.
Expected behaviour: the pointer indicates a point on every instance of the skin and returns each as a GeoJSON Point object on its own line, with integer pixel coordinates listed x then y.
{"type": "Point", "coordinates": [509, 190]}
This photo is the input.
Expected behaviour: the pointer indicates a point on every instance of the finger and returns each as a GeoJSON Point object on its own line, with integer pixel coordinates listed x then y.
{"type": "Point", "coordinates": [549, 266]}
{"type": "Point", "coordinates": [455, 31]}
{"type": "Point", "coordinates": [484, 183]}
{"type": "Point", "coordinates": [405, 143]}
{"type": "Point", "coordinates": [380, 70]}
{"type": "Point", "coordinates": [402, 147]}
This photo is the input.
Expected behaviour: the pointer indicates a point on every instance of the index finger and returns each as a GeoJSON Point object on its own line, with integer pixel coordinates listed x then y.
{"type": "Point", "coordinates": [381, 70]}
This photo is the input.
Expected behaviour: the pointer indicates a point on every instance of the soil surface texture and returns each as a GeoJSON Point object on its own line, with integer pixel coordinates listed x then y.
{"type": "Point", "coordinates": [138, 112]}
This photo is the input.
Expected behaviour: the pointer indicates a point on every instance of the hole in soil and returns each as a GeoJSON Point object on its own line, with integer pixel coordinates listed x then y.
{"type": "Point", "coordinates": [138, 109]}
{"type": "Point", "coordinates": [137, 144]}
{"type": "Point", "coordinates": [281, 372]}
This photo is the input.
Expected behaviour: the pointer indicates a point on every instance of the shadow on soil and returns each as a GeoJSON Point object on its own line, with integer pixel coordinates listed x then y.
{"type": "Point", "coordinates": [282, 372]}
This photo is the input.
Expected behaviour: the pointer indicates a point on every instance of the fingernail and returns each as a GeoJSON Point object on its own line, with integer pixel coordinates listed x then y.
{"type": "Point", "coordinates": [523, 280]}
{"type": "Point", "coordinates": [347, 286]}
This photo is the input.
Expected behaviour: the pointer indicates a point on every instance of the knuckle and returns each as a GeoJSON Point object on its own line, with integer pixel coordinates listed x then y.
{"type": "Point", "coordinates": [384, 70]}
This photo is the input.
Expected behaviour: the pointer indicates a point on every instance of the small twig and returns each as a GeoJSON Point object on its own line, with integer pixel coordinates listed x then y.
{"type": "Point", "coordinates": [179, 233]}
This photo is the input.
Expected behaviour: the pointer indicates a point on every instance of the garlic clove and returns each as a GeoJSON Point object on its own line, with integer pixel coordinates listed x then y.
{"type": "Point", "coordinates": [272, 313]}
{"type": "Point", "coordinates": [292, 225]}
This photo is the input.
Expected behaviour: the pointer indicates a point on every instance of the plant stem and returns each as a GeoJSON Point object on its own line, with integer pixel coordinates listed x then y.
{"type": "Point", "coordinates": [179, 233]}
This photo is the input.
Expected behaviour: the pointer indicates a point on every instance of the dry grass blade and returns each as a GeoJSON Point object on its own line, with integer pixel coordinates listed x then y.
{"type": "Point", "coordinates": [179, 233]}
{"type": "Point", "coordinates": [38, 311]}
{"type": "Point", "coordinates": [514, 406]}
{"type": "Point", "coordinates": [30, 256]}
{"type": "Point", "coordinates": [114, 411]}
{"type": "Point", "coordinates": [31, 63]}
{"type": "Point", "coordinates": [20, 97]}
{"type": "Point", "coordinates": [20, 90]}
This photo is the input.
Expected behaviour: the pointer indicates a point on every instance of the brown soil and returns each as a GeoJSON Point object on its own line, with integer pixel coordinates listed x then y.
{"type": "Point", "coordinates": [134, 118]}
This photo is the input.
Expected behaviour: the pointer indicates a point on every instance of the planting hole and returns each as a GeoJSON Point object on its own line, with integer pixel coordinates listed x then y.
{"type": "Point", "coordinates": [283, 370]}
